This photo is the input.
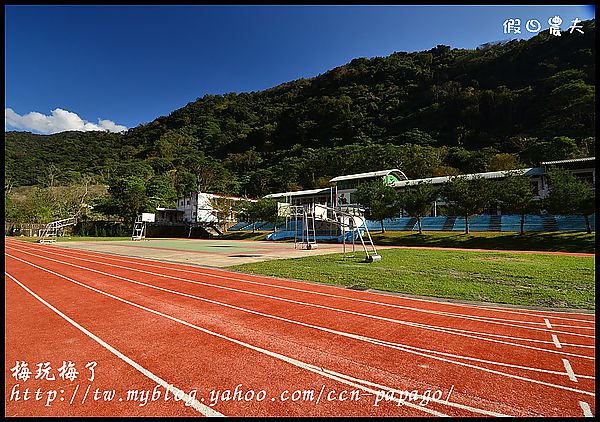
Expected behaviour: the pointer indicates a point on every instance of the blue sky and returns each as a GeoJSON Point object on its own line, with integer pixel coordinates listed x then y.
{"type": "Point", "coordinates": [111, 67]}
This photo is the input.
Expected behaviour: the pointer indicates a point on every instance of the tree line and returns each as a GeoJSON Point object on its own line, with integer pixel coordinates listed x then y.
{"type": "Point", "coordinates": [467, 197]}
{"type": "Point", "coordinates": [438, 112]}
{"type": "Point", "coordinates": [464, 197]}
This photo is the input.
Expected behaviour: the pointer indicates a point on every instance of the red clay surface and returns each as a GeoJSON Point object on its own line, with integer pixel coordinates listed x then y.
{"type": "Point", "coordinates": [245, 345]}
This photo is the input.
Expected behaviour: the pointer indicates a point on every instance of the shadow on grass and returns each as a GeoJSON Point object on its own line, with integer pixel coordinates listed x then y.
{"type": "Point", "coordinates": [243, 235]}
{"type": "Point", "coordinates": [548, 241]}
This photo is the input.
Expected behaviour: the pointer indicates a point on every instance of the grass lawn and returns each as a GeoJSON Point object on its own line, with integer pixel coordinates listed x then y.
{"type": "Point", "coordinates": [546, 241]}
{"type": "Point", "coordinates": [541, 280]}
{"type": "Point", "coordinates": [533, 241]}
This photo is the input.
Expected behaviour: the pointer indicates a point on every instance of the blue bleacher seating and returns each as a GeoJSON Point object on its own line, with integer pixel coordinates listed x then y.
{"type": "Point", "coordinates": [512, 223]}
{"type": "Point", "coordinates": [432, 223]}
{"type": "Point", "coordinates": [505, 223]}
{"type": "Point", "coordinates": [237, 226]}
{"type": "Point", "coordinates": [477, 223]}
{"type": "Point", "coordinates": [574, 222]}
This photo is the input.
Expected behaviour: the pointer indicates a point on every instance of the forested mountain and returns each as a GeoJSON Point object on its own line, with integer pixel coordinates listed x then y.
{"type": "Point", "coordinates": [436, 112]}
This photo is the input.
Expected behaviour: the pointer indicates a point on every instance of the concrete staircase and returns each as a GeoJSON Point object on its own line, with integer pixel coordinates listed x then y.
{"type": "Point", "coordinates": [449, 223]}
{"type": "Point", "coordinates": [549, 223]}
{"type": "Point", "coordinates": [495, 223]}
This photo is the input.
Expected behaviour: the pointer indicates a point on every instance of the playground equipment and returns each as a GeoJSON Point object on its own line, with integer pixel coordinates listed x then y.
{"type": "Point", "coordinates": [49, 233]}
{"type": "Point", "coordinates": [139, 226]}
{"type": "Point", "coordinates": [349, 219]}
{"type": "Point", "coordinates": [306, 228]}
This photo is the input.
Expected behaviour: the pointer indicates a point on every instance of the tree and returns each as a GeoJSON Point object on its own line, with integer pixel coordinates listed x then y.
{"type": "Point", "coordinates": [379, 199]}
{"type": "Point", "coordinates": [417, 137]}
{"type": "Point", "coordinates": [38, 207]}
{"type": "Point", "coordinates": [569, 195]}
{"type": "Point", "coordinates": [266, 210]}
{"type": "Point", "coordinates": [210, 175]}
{"type": "Point", "coordinates": [185, 182]}
{"type": "Point", "coordinates": [243, 162]}
{"type": "Point", "coordinates": [517, 196]}
{"type": "Point", "coordinates": [223, 209]}
{"type": "Point", "coordinates": [246, 212]}
{"type": "Point", "coordinates": [504, 161]}
{"type": "Point", "coordinates": [557, 148]}
{"type": "Point", "coordinates": [258, 183]}
{"type": "Point", "coordinates": [262, 209]}
{"type": "Point", "coordinates": [417, 200]}
{"type": "Point", "coordinates": [160, 192]}
{"type": "Point", "coordinates": [8, 184]}
{"type": "Point", "coordinates": [468, 197]}
{"type": "Point", "coordinates": [127, 199]}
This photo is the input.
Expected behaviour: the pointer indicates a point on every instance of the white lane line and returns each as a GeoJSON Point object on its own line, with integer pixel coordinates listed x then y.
{"type": "Point", "coordinates": [547, 323]}
{"type": "Point", "coordinates": [569, 370]}
{"type": "Point", "coordinates": [578, 345]}
{"type": "Point", "coordinates": [479, 308]}
{"type": "Point", "coordinates": [455, 331]}
{"type": "Point", "coordinates": [316, 306]}
{"type": "Point", "coordinates": [279, 298]}
{"type": "Point", "coordinates": [412, 324]}
{"type": "Point", "coordinates": [205, 410]}
{"type": "Point", "coordinates": [345, 379]}
{"type": "Point", "coordinates": [196, 272]}
{"type": "Point", "coordinates": [405, 348]}
{"type": "Point", "coordinates": [398, 346]}
{"type": "Point", "coordinates": [556, 342]}
{"type": "Point", "coordinates": [145, 261]}
{"type": "Point", "coordinates": [587, 412]}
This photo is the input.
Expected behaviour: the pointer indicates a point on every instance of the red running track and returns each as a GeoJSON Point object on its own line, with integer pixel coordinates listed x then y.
{"type": "Point", "coordinates": [232, 344]}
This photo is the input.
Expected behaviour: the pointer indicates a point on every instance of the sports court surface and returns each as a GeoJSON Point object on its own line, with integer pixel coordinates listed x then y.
{"type": "Point", "coordinates": [213, 253]}
{"type": "Point", "coordinates": [149, 337]}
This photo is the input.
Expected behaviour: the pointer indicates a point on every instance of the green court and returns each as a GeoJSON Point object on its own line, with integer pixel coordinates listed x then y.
{"type": "Point", "coordinates": [212, 253]}
{"type": "Point", "coordinates": [217, 246]}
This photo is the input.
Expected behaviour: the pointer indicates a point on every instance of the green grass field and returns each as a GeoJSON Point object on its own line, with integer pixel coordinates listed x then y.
{"type": "Point", "coordinates": [533, 241]}
{"type": "Point", "coordinates": [546, 241]}
{"type": "Point", "coordinates": [540, 280]}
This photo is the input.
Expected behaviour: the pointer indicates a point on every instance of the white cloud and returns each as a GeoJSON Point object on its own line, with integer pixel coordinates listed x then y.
{"type": "Point", "coordinates": [59, 121]}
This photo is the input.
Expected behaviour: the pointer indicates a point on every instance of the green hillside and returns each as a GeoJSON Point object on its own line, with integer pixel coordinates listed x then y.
{"type": "Point", "coordinates": [435, 112]}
